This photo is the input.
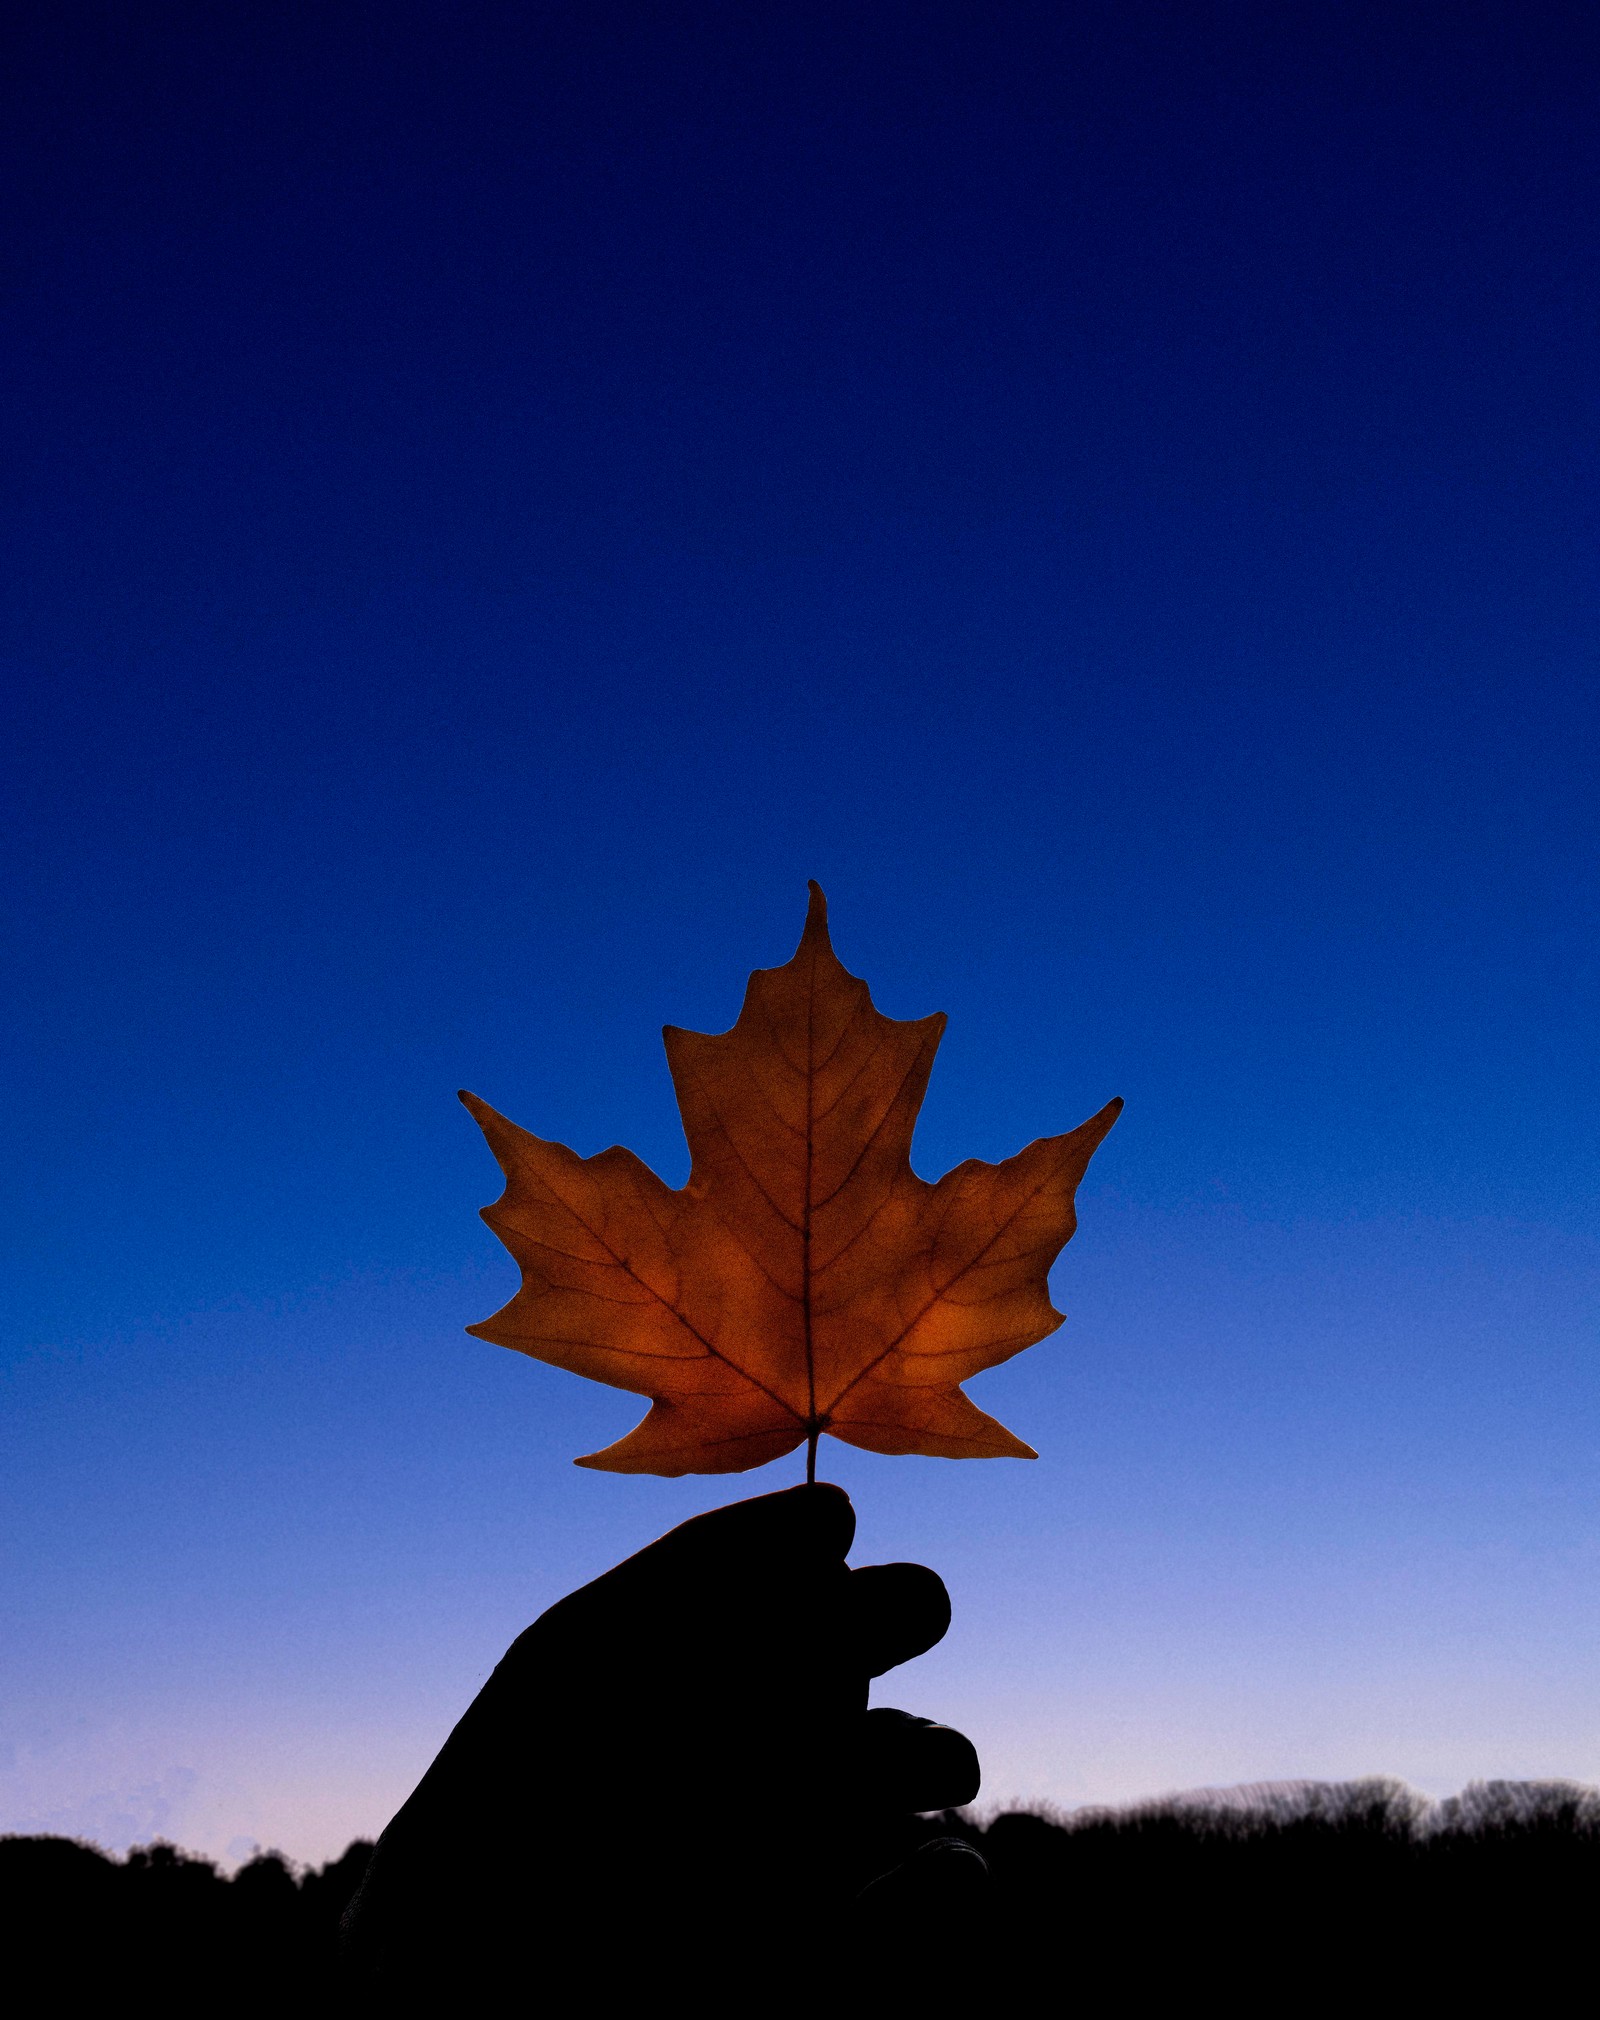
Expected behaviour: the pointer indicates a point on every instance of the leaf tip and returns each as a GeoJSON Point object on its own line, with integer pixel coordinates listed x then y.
{"type": "Point", "coordinates": [816, 913]}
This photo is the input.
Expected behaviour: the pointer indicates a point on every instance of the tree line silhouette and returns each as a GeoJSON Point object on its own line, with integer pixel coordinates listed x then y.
{"type": "Point", "coordinates": [1303, 1899]}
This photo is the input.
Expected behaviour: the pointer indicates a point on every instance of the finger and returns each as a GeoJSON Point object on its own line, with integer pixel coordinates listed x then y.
{"type": "Point", "coordinates": [912, 1909]}
{"type": "Point", "coordinates": [936, 1904]}
{"type": "Point", "coordinates": [712, 1575]}
{"type": "Point", "coordinates": [810, 1524]}
{"type": "Point", "coordinates": [894, 1612]}
{"type": "Point", "coordinates": [942, 1867]}
{"type": "Point", "coordinates": [908, 1763]}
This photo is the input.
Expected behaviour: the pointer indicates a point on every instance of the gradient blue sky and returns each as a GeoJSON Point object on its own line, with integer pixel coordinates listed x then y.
{"type": "Point", "coordinates": [499, 496]}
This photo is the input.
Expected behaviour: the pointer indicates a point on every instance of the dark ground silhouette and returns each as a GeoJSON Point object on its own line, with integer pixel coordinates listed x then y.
{"type": "Point", "coordinates": [1314, 1899]}
{"type": "Point", "coordinates": [164, 1927]}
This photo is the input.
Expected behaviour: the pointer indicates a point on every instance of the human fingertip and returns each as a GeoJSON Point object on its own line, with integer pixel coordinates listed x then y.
{"type": "Point", "coordinates": [896, 1611]}
{"type": "Point", "coordinates": [936, 1903]}
{"type": "Point", "coordinates": [952, 1864]}
{"type": "Point", "coordinates": [936, 1888]}
{"type": "Point", "coordinates": [812, 1520]}
{"type": "Point", "coordinates": [911, 1763]}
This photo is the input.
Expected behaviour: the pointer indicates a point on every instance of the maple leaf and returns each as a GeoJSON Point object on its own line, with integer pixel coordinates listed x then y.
{"type": "Point", "coordinates": [805, 1279]}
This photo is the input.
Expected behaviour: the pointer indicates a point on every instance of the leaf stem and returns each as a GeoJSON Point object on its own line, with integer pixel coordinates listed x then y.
{"type": "Point", "coordinates": [811, 1457]}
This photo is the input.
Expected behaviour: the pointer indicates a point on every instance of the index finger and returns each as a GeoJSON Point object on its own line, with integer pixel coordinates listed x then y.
{"type": "Point", "coordinates": [808, 1525]}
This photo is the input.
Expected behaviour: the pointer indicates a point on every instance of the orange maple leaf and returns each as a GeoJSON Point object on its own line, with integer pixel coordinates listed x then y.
{"type": "Point", "coordinates": [805, 1279]}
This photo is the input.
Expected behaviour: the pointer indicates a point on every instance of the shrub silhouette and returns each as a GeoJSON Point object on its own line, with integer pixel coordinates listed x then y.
{"type": "Point", "coordinates": [1310, 1899]}
{"type": "Point", "coordinates": [165, 1926]}
{"type": "Point", "coordinates": [1306, 1899]}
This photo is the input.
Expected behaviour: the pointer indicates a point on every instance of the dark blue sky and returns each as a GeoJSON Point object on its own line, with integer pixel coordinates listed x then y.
{"type": "Point", "coordinates": [498, 496]}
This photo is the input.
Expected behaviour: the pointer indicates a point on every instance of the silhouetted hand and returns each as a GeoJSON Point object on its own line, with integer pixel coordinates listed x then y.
{"type": "Point", "coordinates": [673, 1779]}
